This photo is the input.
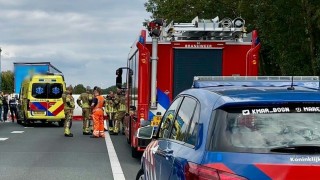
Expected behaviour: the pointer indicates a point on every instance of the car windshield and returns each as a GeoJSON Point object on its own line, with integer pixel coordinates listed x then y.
{"type": "Point", "coordinates": [260, 129]}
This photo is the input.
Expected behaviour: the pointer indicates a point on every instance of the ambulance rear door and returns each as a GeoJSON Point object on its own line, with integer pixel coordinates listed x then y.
{"type": "Point", "coordinates": [55, 107]}
{"type": "Point", "coordinates": [47, 100]}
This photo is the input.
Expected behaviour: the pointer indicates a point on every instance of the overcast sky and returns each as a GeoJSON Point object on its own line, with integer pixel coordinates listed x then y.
{"type": "Point", "coordinates": [86, 39]}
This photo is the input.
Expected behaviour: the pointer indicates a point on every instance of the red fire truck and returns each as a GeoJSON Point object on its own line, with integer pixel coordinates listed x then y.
{"type": "Point", "coordinates": [159, 69]}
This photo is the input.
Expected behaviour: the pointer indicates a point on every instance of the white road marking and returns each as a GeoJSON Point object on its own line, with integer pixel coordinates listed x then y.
{"type": "Point", "coordinates": [28, 127]}
{"type": "Point", "coordinates": [17, 132]}
{"type": "Point", "coordinates": [3, 139]}
{"type": "Point", "coordinates": [114, 161]}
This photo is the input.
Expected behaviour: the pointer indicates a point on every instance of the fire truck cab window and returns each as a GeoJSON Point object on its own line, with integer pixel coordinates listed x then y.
{"type": "Point", "coordinates": [133, 93]}
{"type": "Point", "coordinates": [168, 119]}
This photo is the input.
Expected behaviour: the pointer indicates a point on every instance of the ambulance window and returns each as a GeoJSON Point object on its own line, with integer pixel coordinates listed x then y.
{"type": "Point", "coordinates": [39, 90]}
{"type": "Point", "coordinates": [55, 91]}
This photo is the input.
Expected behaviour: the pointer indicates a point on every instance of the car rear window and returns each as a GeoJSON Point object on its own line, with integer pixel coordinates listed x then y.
{"type": "Point", "coordinates": [47, 90]}
{"type": "Point", "coordinates": [261, 128]}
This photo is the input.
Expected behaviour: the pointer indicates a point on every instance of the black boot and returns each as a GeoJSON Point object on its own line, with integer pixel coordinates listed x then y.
{"type": "Point", "coordinates": [68, 135]}
{"type": "Point", "coordinates": [113, 133]}
{"type": "Point", "coordinates": [87, 133]}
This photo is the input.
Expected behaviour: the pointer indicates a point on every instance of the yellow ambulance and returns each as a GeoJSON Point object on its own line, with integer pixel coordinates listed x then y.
{"type": "Point", "coordinates": [41, 99]}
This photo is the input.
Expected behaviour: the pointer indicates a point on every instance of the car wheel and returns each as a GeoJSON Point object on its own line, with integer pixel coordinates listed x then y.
{"type": "Point", "coordinates": [140, 175]}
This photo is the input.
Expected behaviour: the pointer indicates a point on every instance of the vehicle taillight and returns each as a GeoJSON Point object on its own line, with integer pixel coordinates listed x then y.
{"type": "Point", "coordinates": [198, 172]}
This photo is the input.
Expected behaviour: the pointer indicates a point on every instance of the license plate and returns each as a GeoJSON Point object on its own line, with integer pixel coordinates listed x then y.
{"type": "Point", "coordinates": [156, 121]}
{"type": "Point", "coordinates": [39, 113]}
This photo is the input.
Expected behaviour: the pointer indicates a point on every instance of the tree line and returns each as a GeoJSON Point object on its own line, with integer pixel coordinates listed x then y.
{"type": "Point", "coordinates": [289, 30]}
{"type": "Point", "coordinates": [7, 85]}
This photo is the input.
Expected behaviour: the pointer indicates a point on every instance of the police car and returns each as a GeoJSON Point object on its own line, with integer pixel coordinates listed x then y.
{"type": "Point", "coordinates": [238, 128]}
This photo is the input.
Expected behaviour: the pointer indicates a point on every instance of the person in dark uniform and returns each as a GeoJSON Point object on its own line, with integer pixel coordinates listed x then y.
{"type": "Point", "coordinates": [1, 97]}
{"type": "Point", "coordinates": [13, 104]}
{"type": "Point", "coordinates": [5, 106]}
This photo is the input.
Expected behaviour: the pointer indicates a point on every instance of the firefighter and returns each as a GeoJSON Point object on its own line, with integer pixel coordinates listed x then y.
{"type": "Point", "coordinates": [110, 110]}
{"type": "Point", "coordinates": [120, 107]}
{"type": "Point", "coordinates": [97, 114]}
{"type": "Point", "coordinates": [68, 110]}
{"type": "Point", "coordinates": [85, 101]}
{"type": "Point", "coordinates": [90, 111]}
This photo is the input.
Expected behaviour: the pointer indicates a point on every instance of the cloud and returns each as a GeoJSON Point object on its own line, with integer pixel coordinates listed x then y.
{"type": "Point", "coordinates": [87, 40]}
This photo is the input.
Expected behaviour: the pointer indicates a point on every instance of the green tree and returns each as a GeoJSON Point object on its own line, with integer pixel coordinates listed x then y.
{"type": "Point", "coordinates": [78, 89]}
{"type": "Point", "coordinates": [289, 30]}
{"type": "Point", "coordinates": [111, 88]}
{"type": "Point", "coordinates": [7, 82]}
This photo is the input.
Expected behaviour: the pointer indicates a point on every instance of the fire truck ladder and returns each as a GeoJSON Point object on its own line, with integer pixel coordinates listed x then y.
{"type": "Point", "coordinates": [206, 29]}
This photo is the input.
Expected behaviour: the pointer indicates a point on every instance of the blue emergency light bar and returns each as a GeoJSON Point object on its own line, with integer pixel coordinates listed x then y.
{"type": "Point", "coordinates": [256, 81]}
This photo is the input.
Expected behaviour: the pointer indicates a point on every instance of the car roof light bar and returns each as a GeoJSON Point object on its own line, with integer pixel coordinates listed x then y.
{"type": "Point", "coordinates": [256, 78]}
{"type": "Point", "coordinates": [256, 81]}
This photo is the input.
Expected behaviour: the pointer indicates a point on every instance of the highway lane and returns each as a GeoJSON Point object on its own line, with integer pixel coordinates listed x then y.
{"type": "Point", "coordinates": [130, 165]}
{"type": "Point", "coordinates": [42, 152]}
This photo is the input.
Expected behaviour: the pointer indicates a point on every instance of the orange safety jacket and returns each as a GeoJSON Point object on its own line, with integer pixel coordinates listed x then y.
{"type": "Point", "coordinates": [100, 104]}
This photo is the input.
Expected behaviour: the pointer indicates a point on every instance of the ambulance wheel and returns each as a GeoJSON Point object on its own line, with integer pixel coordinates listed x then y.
{"type": "Point", "coordinates": [26, 121]}
{"type": "Point", "coordinates": [134, 152]}
{"type": "Point", "coordinates": [61, 123]}
{"type": "Point", "coordinates": [140, 175]}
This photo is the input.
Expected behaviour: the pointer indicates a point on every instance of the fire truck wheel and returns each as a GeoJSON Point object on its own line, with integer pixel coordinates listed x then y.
{"type": "Point", "coordinates": [134, 152]}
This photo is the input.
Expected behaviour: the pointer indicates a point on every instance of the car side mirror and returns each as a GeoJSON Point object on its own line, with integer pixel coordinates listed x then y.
{"type": "Point", "coordinates": [119, 78]}
{"type": "Point", "coordinates": [145, 132]}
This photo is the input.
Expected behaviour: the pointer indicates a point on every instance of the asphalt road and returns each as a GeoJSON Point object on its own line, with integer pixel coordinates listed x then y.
{"type": "Point", "coordinates": [43, 153]}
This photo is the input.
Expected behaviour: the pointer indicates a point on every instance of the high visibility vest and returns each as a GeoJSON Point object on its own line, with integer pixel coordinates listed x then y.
{"type": "Point", "coordinates": [122, 107]}
{"type": "Point", "coordinates": [109, 108]}
{"type": "Point", "coordinates": [100, 103]}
